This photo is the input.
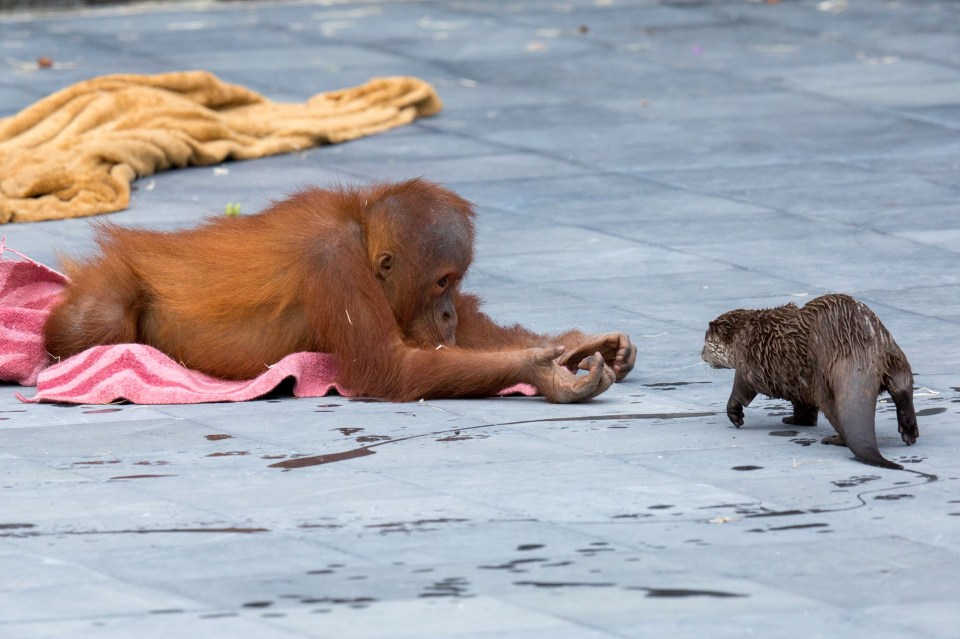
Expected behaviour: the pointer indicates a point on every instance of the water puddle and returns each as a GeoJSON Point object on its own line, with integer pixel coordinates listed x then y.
{"type": "Point", "coordinates": [793, 527]}
{"type": "Point", "coordinates": [565, 584]}
{"type": "Point", "coordinates": [450, 587]}
{"type": "Point", "coordinates": [514, 564]}
{"type": "Point", "coordinates": [318, 460]}
{"type": "Point", "coordinates": [855, 481]}
{"type": "Point", "coordinates": [410, 526]}
{"type": "Point", "coordinates": [685, 592]}
{"type": "Point", "coordinates": [772, 513]}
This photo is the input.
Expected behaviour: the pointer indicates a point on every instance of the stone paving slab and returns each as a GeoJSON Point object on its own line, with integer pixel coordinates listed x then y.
{"type": "Point", "coordinates": [636, 165]}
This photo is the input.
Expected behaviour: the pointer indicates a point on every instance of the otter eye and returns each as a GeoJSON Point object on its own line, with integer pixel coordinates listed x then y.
{"type": "Point", "coordinates": [442, 282]}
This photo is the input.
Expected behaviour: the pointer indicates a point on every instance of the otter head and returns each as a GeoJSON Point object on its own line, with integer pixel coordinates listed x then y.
{"type": "Point", "coordinates": [718, 343]}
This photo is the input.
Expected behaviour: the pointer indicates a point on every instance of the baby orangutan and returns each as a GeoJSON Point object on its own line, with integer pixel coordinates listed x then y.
{"type": "Point", "coordinates": [371, 274]}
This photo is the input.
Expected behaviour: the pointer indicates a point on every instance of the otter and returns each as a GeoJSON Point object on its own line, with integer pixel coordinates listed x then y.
{"type": "Point", "coordinates": [832, 355]}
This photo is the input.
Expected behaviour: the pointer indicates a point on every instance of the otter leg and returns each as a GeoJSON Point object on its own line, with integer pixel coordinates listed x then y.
{"type": "Point", "coordinates": [803, 415]}
{"type": "Point", "coordinates": [900, 388]}
{"type": "Point", "coordinates": [836, 439]}
{"type": "Point", "coordinates": [741, 395]}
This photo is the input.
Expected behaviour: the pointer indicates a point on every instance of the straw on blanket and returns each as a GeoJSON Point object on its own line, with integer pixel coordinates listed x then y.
{"type": "Point", "coordinates": [75, 152]}
{"type": "Point", "coordinates": [132, 372]}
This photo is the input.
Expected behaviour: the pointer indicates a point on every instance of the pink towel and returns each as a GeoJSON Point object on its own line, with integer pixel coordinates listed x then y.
{"type": "Point", "coordinates": [133, 372]}
{"type": "Point", "coordinates": [27, 291]}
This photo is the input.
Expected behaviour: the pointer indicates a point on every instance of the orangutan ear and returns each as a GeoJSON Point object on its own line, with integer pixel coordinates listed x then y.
{"type": "Point", "coordinates": [384, 265]}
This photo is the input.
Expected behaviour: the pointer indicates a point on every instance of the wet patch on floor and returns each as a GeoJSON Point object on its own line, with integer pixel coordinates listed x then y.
{"type": "Point", "coordinates": [669, 386]}
{"type": "Point", "coordinates": [457, 436]}
{"type": "Point", "coordinates": [894, 496]}
{"type": "Point", "coordinates": [420, 525]}
{"type": "Point", "coordinates": [350, 602]}
{"type": "Point", "coordinates": [514, 565]}
{"type": "Point", "coordinates": [791, 527]}
{"type": "Point", "coordinates": [763, 512]}
{"type": "Point", "coordinates": [322, 526]}
{"type": "Point", "coordinates": [565, 584]}
{"type": "Point", "coordinates": [318, 460]}
{"type": "Point", "coordinates": [455, 587]}
{"type": "Point", "coordinates": [685, 592]}
{"type": "Point", "coordinates": [856, 480]}
{"type": "Point", "coordinates": [595, 548]}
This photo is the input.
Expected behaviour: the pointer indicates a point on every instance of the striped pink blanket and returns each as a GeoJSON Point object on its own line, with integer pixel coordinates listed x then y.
{"type": "Point", "coordinates": [133, 372]}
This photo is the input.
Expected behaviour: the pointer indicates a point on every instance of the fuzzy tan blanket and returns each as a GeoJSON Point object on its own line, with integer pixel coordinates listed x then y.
{"type": "Point", "coordinates": [75, 152]}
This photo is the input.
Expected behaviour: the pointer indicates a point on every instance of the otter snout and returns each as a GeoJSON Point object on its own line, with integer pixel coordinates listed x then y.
{"type": "Point", "coordinates": [715, 354]}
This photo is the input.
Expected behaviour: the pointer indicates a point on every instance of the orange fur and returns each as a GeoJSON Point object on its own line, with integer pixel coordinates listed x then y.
{"type": "Point", "coordinates": [356, 272]}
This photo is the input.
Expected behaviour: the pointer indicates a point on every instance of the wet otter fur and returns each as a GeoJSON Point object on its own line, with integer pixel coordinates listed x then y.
{"type": "Point", "coordinates": [831, 355]}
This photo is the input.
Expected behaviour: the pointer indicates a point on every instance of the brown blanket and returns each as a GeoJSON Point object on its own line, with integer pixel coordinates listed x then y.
{"type": "Point", "coordinates": [75, 152]}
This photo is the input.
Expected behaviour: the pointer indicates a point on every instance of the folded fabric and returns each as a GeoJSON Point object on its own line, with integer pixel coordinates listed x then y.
{"type": "Point", "coordinates": [143, 375]}
{"type": "Point", "coordinates": [28, 290]}
{"type": "Point", "coordinates": [132, 372]}
{"type": "Point", "coordinates": [75, 152]}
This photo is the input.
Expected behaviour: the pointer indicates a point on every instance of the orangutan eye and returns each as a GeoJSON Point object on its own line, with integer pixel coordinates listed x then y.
{"type": "Point", "coordinates": [442, 282]}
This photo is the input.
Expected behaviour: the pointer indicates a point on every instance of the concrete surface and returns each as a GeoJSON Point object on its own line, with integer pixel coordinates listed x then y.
{"type": "Point", "coordinates": [639, 166]}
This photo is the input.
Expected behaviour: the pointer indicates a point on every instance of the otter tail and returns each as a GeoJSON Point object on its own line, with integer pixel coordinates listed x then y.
{"type": "Point", "coordinates": [855, 393]}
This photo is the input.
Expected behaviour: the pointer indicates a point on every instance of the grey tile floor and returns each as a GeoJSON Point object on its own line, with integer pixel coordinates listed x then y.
{"type": "Point", "coordinates": [639, 166]}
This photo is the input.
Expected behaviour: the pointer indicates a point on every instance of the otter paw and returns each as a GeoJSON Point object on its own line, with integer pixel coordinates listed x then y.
{"type": "Point", "coordinates": [735, 414]}
{"type": "Point", "coordinates": [907, 425]}
{"type": "Point", "coordinates": [833, 440]}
